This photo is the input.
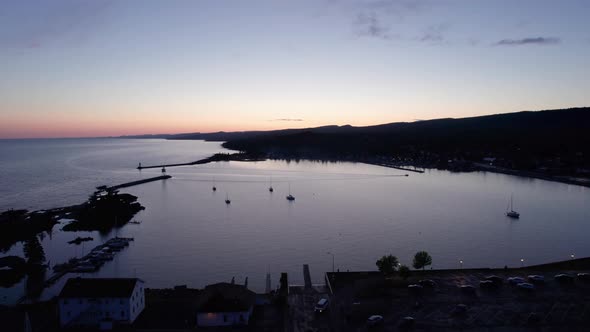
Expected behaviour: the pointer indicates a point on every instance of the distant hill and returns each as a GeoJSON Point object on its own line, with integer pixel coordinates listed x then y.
{"type": "Point", "coordinates": [522, 140]}
{"type": "Point", "coordinates": [554, 141]}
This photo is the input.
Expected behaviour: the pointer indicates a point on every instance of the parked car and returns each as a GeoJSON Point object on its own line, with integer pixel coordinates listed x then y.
{"type": "Point", "coordinates": [495, 279]}
{"type": "Point", "coordinates": [525, 286]}
{"type": "Point", "coordinates": [515, 280]}
{"type": "Point", "coordinates": [321, 306]}
{"type": "Point", "coordinates": [467, 289]}
{"type": "Point", "coordinates": [414, 288]}
{"type": "Point", "coordinates": [564, 278]}
{"type": "Point", "coordinates": [488, 284]}
{"type": "Point", "coordinates": [375, 320]}
{"type": "Point", "coordinates": [427, 283]}
{"type": "Point", "coordinates": [407, 322]}
{"type": "Point", "coordinates": [536, 279]}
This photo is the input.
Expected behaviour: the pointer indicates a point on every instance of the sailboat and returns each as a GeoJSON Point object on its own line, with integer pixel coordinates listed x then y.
{"type": "Point", "coordinates": [227, 201]}
{"type": "Point", "coordinates": [214, 187]}
{"type": "Point", "coordinates": [270, 188]}
{"type": "Point", "coordinates": [290, 197]}
{"type": "Point", "coordinates": [512, 214]}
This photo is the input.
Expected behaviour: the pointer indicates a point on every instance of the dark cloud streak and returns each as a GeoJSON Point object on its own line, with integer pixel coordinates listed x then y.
{"type": "Point", "coordinates": [529, 41]}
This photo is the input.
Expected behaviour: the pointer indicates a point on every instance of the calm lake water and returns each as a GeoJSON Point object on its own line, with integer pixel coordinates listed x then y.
{"type": "Point", "coordinates": [358, 212]}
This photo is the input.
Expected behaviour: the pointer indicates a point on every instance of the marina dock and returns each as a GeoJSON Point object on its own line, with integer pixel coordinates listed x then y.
{"type": "Point", "coordinates": [92, 261]}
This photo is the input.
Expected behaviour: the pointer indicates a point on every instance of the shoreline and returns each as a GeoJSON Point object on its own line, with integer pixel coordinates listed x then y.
{"type": "Point", "coordinates": [534, 175]}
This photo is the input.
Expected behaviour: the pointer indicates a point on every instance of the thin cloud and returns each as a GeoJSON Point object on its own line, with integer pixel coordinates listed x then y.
{"type": "Point", "coordinates": [434, 33]}
{"type": "Point", "coordinates": [529, 41]}
{"type": "Point", "coordinates": [368, 24]}
{"type": "Point", "coordinates": [34, 25]}
{"type": "Point", "coordinates": [287, 119]}
{"type": "Point", "coordinates": [397, 8]}
{"type": "Point", "coordinates": [380, 19]}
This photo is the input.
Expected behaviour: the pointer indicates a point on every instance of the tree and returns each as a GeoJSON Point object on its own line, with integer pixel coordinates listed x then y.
{"type": "Point", "coordinates": [387, 264]}
{"type": "Point", "coordinates": [33, 251]}
{"type": "Point", "coordinates": [421, 260]}
{"type": "Point", "coordinates": [404, 272]}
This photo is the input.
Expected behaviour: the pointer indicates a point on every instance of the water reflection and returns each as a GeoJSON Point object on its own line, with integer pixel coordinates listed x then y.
{"type": "Point", "coordinates": [358, 212]}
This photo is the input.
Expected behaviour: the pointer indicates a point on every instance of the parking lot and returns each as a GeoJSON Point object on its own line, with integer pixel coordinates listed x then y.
{"type": "Point", "coordinates": [551, 305]}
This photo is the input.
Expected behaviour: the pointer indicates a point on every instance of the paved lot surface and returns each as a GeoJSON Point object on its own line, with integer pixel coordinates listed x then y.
{"type": "Point", "coordinates": [302, 315]}
{"type": "Point", "coordinates": [551, 306]}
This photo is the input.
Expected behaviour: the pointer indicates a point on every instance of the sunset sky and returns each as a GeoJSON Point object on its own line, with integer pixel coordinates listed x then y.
{"type": "Point", "coordinates": [98, 68]}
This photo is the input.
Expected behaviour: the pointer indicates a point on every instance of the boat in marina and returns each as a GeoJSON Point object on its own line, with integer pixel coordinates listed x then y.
{"type": "Point", "coordinates": [510, 213]}
{"type": "Point", "coordinates": [290, 197]}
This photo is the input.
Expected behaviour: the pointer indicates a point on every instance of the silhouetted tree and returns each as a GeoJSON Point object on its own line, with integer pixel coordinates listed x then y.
{"type": "Point", "coordinates": [421, 260]}
{"type": "Point", "coordinates": [387, 264]}
{"type": "Point", "coordinates": [33, 251]}
{"type": "Point", "coordinates": [404, 272]}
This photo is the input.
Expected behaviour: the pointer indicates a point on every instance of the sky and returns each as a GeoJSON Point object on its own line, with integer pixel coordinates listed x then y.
{"type": "Point", "coordinates": [108, 68]}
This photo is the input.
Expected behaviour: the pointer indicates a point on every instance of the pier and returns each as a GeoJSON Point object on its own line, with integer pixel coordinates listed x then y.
{"type": "Point", "coordinates": [134, 183]}
{"type": "Point", "coordinates": [390, 165]}
{"type": "Point", "coordinates": [140, 167]}
{"type": "Point", "coordinates": [214, 158]}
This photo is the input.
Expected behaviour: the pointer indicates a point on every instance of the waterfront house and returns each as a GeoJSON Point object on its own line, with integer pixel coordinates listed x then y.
{"type": "Point", "coordinates": [100, 302]}
{"type": "Point", "coordinates": [225, 304]}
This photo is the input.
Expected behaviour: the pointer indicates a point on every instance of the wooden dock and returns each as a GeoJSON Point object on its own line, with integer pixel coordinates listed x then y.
{"type": "Point", "coordinates": [109, 248]}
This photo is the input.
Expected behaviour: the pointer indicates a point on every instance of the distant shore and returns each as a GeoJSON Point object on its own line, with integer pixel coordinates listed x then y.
{"type": "Point", "coordinates": [585, 182]}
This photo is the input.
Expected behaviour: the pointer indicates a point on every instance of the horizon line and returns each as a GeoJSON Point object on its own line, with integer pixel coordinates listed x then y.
{"type": "Point", "coordinates": [290, 128]}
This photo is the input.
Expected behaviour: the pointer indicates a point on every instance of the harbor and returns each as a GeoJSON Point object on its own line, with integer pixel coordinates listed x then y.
{"type": "Point", "coordinates": [90, 262]}
{"type": "Point", "coordinates": [94, 260]}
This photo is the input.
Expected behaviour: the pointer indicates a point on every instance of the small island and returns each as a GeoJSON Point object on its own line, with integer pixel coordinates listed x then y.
{"type": "Point", "coordinates": [104, 210]}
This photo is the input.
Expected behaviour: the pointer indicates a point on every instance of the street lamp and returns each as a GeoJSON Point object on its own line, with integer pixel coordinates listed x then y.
{"type": "Point", "coordinates": [330, 253]}
{"type": "Point", "coordinates": [461, 263]}
{"type": "Point", "coordinates": [572, 256]}
{"type": "Point", "coordinates": [522, 262]}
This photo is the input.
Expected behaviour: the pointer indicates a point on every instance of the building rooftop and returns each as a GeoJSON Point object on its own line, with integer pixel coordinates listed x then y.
{"type": "Point", "coordinates": [98, 287]}
{"type": "Point", "coordinates": [226, 297]}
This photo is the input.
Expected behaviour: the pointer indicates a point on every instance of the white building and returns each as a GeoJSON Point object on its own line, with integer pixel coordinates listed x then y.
{"type": "Point", "coordinates": [225, 304]}
{"type": "Point", "coordinates": [100, 302]}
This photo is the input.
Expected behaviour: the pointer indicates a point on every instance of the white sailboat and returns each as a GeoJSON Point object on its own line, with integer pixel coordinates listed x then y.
{"type": "Point", "coordinates": [511, 213]}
